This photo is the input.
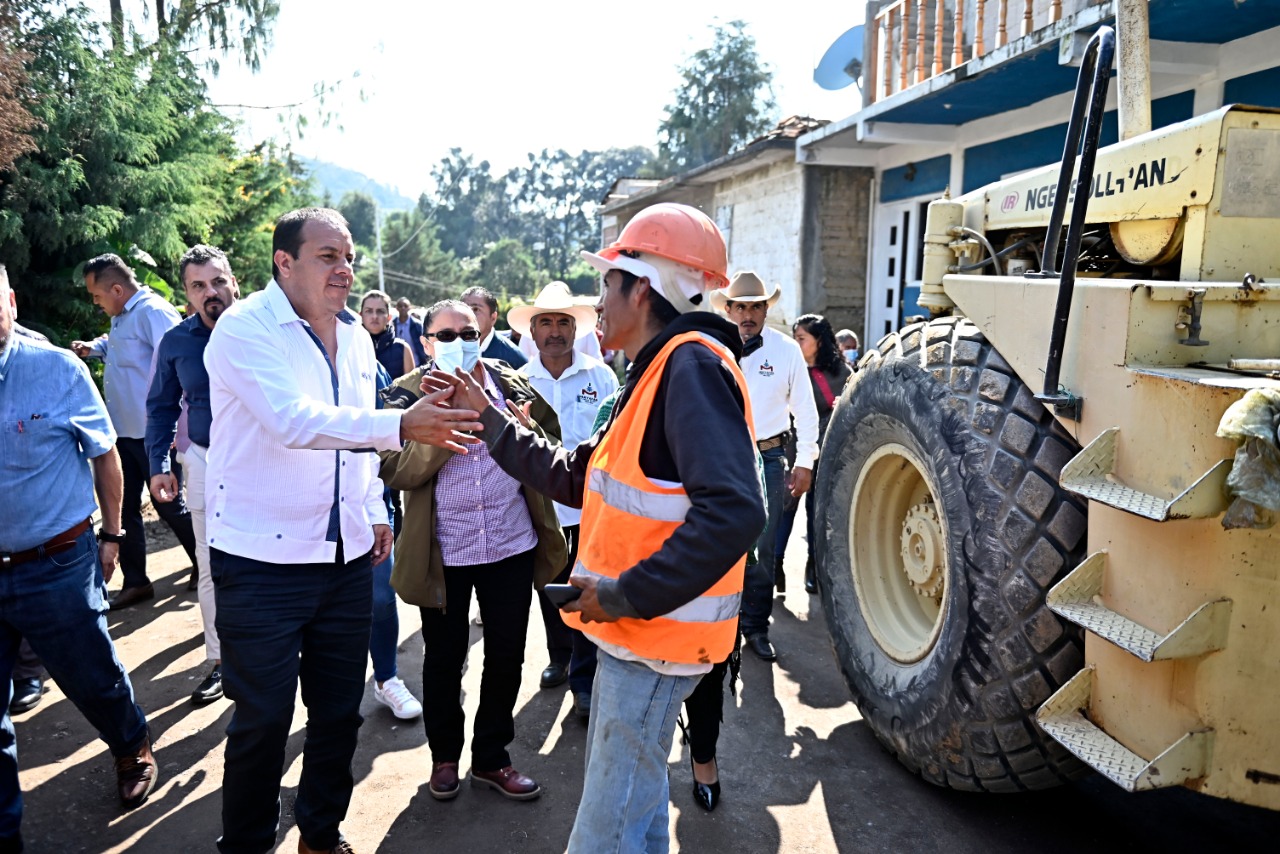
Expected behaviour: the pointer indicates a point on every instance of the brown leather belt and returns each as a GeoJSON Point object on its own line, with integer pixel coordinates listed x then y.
{"type": "Point", "coordinates": [772, 442]}
{"type": "Point", "coordinates": [61, 543]}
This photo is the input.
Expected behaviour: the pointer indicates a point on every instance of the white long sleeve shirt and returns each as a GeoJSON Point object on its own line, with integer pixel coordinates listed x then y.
{"type": "Point", "coordinates": [129, 352]}
{"type": "Point", "coordinates": [778, 381]}
{"type": "Point", "coordinates": [576, 397]}
{"type": "Point", "coordinates": [284, 481]}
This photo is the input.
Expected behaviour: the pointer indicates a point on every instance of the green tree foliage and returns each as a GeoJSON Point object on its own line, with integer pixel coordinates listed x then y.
{"type": "Point", "coordinates": [223, 26]}
{"type": "Point", "coordinates": [361, 212]}
{"type": "Point", "coordinates": [547, 206]}
{"type": "Point", "coordinates": [130, 158]}
{"type": "Point", "coordinates": [414, 263]}
{"type": "Point", "coordinates": [507, 266]}
{"type": "Point", "coordinates": [725, 100]}
{"type": "Point", "coordinates": [470, 205]}
{"type": "Point", "coordinates": [556, 196]}
{"type": "Point", "coordinates": [259, 186]}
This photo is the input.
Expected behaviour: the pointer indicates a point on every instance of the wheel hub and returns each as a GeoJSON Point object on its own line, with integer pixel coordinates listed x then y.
{"type": "Point", "coordinates": [898, 552]}
{"type": "Point", "coordinates": [923, 549]}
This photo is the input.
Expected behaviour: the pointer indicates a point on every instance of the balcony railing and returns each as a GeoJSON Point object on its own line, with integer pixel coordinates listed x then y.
{"type": "Point", "coordinates": [914, 40]}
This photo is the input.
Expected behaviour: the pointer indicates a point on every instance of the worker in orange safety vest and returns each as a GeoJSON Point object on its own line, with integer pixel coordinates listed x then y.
{"type": "Point", "coordinates": [671, 503]}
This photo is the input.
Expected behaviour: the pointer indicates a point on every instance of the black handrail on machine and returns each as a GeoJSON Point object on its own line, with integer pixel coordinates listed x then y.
{"type": "Point", "coordinates": [1091, 88]}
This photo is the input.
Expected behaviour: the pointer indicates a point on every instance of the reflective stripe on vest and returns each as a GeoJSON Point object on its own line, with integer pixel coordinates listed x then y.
{"type": "Point", "coordinates": [626, 518]}
{"type": "Point", "coordinates": [704, 609]}
{"type": "Point", "coordinates": [656, 506]}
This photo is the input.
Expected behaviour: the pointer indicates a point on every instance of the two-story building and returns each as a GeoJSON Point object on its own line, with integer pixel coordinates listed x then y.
{"type": "Point", "coordinates": [955, 94]}
{"type": "Point", "coordinates": [961, 93]}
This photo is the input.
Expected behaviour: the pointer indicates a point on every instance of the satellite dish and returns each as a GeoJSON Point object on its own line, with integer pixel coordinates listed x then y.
{"type": "Point", "coordinates": [842, 63]}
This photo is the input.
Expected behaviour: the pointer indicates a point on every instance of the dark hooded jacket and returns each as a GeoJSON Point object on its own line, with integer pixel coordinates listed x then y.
{"type": "Point", "coordinates": [697, 435]}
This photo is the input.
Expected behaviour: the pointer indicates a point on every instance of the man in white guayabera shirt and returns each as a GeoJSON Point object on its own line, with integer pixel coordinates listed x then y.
{"type": "Point", "coordinates": [296, 522]}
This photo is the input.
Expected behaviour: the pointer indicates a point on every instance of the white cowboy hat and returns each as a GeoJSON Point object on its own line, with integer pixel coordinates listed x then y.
{"type": "Point", "coordinates": [745, 287]}
{"type": "Point", "coordinates": [555, 298]}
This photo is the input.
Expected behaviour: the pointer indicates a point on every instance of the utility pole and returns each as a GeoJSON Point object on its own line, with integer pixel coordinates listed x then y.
{"type": "Point", "coordinates": [377, 229]}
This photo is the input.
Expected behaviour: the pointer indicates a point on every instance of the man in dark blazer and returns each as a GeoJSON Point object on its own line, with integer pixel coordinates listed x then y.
{"type": "Point", "coordinates": [492, 345]}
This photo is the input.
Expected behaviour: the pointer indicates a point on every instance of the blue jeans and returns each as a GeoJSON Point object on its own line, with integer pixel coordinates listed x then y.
{"type": "Point", "coordinates": [278, 624]}
{"type": "Point", "coordinates": [58, 603]}
{"type": "Point", "coordinates": [384, 636]}
{"type": "Point", "coordinates": [625, 794]}
{"type": "Point", "coordinates": [757, 586]}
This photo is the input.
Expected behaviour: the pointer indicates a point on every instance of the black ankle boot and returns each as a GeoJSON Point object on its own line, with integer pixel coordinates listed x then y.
{"type": "Point", "coordinates": [810, 577]}
{"type": "Point", "coordinates": [779, 579]}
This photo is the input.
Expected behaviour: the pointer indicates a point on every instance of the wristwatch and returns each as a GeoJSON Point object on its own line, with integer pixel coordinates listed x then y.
{"type": "Point", "coordinates": [104, 537]}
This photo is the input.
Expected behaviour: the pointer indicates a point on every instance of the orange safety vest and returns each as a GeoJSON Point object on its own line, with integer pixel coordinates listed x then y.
{"type": "Point", "coordinates": [626, 517]}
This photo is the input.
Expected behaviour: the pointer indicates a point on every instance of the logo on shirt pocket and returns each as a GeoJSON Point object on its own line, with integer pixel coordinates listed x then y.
{"type": "Point", "coordinates": [589, 394]}
{"type": "Point", "coordinates": [766, 370]}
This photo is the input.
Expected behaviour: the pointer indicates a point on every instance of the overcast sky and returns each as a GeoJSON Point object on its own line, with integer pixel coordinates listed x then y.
{"type": "Point", "coordinates": [502, 79]}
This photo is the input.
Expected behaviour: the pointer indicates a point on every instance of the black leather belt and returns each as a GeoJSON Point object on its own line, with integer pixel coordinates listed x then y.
{"type": "Point", "coordinates": [772, 442]}
{"type": "Point", "coordinates": [61, 543]}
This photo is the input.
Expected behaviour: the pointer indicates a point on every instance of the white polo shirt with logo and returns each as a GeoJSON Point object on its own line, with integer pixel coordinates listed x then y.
{"type": "Point", "coordinates": [576, 397]}
{"type": "Point", "coordinates": [778, 381]}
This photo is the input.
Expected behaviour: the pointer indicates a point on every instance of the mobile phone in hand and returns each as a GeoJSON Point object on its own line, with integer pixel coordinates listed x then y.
{"type": "Point", "coordinates": [562, 594]}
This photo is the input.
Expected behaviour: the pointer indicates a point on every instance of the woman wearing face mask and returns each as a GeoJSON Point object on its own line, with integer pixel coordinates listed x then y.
{"type": "Point", "coordinates": [848, 341]}
{"type": "Point", "coordinates": [829, 370]}
{"type": "Point", "coordinates": [470, 526]}
{"type": "Point", "coordinates": [393, 354]}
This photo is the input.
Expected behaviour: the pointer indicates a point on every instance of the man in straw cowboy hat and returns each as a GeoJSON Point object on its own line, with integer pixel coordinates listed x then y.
{"type": "Point", "coordinates": [671, 503]}
{"type": "Point", "coordinates": [574, 384]}
{"type": "Point", "coordinates": [780, 391]}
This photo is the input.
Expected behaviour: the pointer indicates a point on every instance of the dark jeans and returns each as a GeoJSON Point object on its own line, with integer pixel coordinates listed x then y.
{"type": "Point", "coordinates": [787, 522]}
{"type": "Point", "coordinates": [565, 645]}
{"type": "Point", "coordinates": [279, 623]}
{"type": "Point", "coordinates": [57, 603]}
{"type": "Point", "coordinates": [137, 480]}
{"type": "Point", "coordinates": [757, 588]}
{"type": "Point", "coordinates": [503, 590]}
{"type": "Point", "coordinates": [27, 665]}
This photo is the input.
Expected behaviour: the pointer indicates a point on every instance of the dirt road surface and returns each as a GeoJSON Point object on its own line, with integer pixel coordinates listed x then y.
{"type": "Point", "coordinates": [801, 772]}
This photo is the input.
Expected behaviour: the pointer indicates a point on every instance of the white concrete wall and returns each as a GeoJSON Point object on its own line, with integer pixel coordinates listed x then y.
{"type": "Point", "coordinates": [765, 233]}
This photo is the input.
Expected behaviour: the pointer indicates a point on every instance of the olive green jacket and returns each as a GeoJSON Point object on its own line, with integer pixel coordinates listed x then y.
{"type": "Point", "coordinates": [418, 572]}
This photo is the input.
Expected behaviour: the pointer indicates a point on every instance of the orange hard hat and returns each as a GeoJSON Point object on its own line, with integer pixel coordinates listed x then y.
{"type": "Point", "coordinates": [678, 233]}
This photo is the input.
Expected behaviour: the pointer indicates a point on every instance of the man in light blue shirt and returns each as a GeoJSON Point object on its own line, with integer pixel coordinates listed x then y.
{"type": "Point", "coordinates": [139, 319]}
{"type": "Point", "coordinates": [53, 429]}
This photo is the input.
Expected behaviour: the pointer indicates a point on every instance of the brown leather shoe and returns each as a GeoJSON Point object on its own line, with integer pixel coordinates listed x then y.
{"type": "Point", "coordinates": [508, 782]}
{"type": "Point", "coordinates": [132, 596]}
{"type": "Point", "coordinates": [136, 776]}
{"type": "Point", "coordinates": [343, 847]}
{"type": "Point", "coordinates": [444, 781]}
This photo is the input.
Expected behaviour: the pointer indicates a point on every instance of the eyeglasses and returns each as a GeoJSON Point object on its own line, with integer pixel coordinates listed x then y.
{"type": "Point", "coordinates": [444, 336]}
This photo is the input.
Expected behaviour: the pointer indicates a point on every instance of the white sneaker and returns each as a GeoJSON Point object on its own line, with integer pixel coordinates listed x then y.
{"type": "Point", "coordinates": [394, 694]}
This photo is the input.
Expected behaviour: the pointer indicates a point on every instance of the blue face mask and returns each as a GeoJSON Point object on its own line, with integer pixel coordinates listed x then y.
{"type": "Point", "coordinates": [457, 354]}
{"type": "Point", "coordinates": [851, 355]}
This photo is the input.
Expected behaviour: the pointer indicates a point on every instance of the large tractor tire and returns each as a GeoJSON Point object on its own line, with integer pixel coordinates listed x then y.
{"type": "Point", "coordinates": [942, 525]}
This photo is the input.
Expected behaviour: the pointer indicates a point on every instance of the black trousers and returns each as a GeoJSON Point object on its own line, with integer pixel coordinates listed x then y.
{"type": "Point", "coordinates": [705, 708]}
{"type": "Point", "coordinates": [504, 590]}
{"type": "Point", "coordinates": [282, 625]}
{"type": "Point", "coordinates": [137, 479]}
{"type": "Point", "coordinates": [567, 646]}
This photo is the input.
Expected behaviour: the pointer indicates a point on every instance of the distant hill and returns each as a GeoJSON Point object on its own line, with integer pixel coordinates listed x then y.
{"type": "Point", "coordinates": [339, 180]}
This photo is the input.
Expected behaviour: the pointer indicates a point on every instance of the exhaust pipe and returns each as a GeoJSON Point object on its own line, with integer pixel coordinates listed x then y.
{"type": "Point", "coordinates": [1134, 46]}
